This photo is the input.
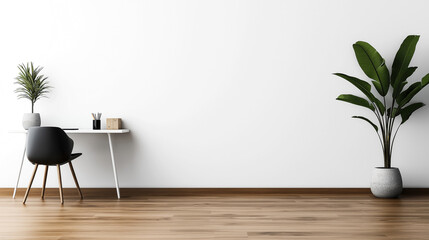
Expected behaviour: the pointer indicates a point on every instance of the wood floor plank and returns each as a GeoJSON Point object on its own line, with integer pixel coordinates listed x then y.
{"type": "Point", "coordinates": [214, 216]}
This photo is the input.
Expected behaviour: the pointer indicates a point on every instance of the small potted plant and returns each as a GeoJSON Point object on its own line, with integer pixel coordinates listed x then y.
{"type": "Point", "coordinates": [393, 100]}
{"type": "Point", "coordinates": [32, 86]}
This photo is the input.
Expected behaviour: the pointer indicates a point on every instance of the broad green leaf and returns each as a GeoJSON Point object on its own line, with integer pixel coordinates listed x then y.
{"type": "Point", "coordinates": [408, 110]}
{"type": "Point", "coordinates": [398, 89]}
{"type": "Point", "coordinates": [410, 93]}
{"type": "Point", "coordinates": [399, 85]}
{"type": "Point", "coordinates": [367, 120]}
{"type": "Point", "coordinates": [378, 87]}
{"type": "Point", "coordinates": [355, 100]}
{"type": "Point", "coordinates": [410, 96]}
{"type": "Point", "coordinates": [407, 91]}
{"type": "Point", "coordinates": [425, 80]}
{"type": "Point", "coordinates": [384, 75]}
{"type": "Point", "coordinates": [403, 58]}
{"type": "Point", "coordinates": [361, 84]}
{"type": "Point", "coordinates": [365, 88]}
{"type": "Point", "coordinates": [409, 72]}
{"type": "Point", "coordinates": [373, 66]}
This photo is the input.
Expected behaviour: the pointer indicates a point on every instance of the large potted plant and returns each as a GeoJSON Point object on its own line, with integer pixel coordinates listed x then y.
{"type": "Point", "coordinates": [392, 99]}
{"type": "Point", "coordinates": [32, 86]}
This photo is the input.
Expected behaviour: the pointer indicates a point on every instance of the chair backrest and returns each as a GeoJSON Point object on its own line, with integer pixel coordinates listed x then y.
{"type": "Point", "coordinates": [48, 145]}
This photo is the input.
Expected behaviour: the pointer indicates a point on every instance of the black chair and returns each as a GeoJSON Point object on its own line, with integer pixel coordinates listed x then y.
{"type": "Point", "coordinates": [50, 146]}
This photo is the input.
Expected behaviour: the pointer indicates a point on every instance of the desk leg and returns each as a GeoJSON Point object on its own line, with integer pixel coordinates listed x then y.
{"type": "Point", "coordinates": [20, 169]}
{"type": "Point", "coordinates": [114, 166]}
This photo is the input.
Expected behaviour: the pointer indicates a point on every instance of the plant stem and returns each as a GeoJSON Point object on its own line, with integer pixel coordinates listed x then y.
{"type": "Point", "coordinates": [386, 135]}
{"type": "Point", "coordinates": [394, 136]}
{"type": "Point", "coordinates": [377, 115]}
{"type": "Point", "coordinates": [383, 133]}
{"type": "Point", "coordinates": [32, 107]}
{"type": "Point", "coordinates": [391, 121]}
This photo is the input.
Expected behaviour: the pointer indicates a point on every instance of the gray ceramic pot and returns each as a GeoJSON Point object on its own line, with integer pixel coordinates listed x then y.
{"type": "Point", "coordinates": [31, 120]}
{"type": "Point", "coordinates": [386, 182]}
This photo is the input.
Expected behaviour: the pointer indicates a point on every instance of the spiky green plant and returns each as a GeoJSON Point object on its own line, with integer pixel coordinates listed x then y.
{"type": "Point", "coordinates": [32, 85]}
{"type": "Point", "coordinates": [386, 108]}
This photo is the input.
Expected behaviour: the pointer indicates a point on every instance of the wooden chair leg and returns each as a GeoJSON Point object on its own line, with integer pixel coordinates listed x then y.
{"type": "Point", "coordinates": [75, 180]}
{"type": "Point", "coordinates": [44, 182]}
{"type": "Point", "coordinates": [60, 184]}
{"type": "Point", "coordinates": [29, 185]}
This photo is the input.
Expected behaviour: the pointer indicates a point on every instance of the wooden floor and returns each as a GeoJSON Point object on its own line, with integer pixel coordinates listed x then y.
{"type": "Point", "coordinates": [215, 216]}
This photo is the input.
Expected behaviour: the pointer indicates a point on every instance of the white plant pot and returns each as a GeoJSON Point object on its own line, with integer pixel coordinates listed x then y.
{"type": "Point", "coordinates": [386, 182]}
{"type": "Point", "coordinates": [31, 120]}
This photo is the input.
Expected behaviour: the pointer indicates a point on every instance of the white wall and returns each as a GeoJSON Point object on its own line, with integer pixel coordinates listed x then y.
{"type": "Point", "coordinates": [216, 93]}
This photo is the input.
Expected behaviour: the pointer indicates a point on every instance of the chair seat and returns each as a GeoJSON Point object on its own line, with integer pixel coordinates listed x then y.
{"type": "Point", "coordinates": [72, 157]}
{"type": "Point", "coordinates": [75, 155]}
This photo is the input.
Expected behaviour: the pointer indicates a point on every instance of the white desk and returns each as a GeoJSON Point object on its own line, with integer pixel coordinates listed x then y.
{"type": "Point", "coordinates": [81, 131]}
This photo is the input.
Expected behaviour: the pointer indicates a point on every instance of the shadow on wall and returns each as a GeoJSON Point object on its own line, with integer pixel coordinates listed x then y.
{"type": "Point", "coordinates": [127, 147]}
{"type": "Point", "coordinates": [422, 70]}
{"type": "Point", "coordinates": [94, 169]}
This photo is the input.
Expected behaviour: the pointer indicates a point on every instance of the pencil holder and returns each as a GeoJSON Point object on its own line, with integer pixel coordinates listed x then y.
{"type": "Point", "coordinates": [96, 124]}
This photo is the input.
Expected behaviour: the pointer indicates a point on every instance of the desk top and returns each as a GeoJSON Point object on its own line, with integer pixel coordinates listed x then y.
{"type": "Point", "coordinates": [79, 131]}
